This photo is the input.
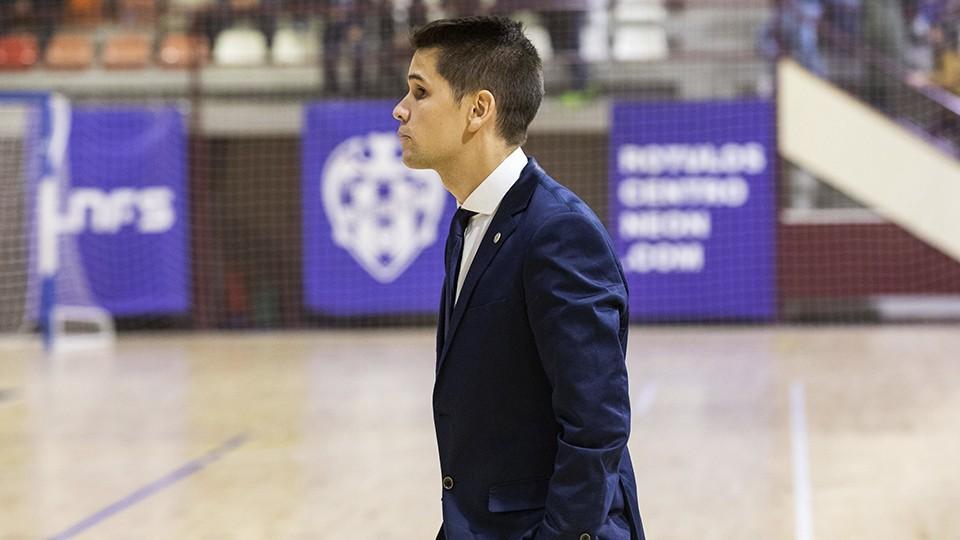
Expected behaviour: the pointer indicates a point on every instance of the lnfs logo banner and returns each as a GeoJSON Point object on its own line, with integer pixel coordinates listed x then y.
{"type": "Point", "coordinates": [692, 208]}
{"type": "Point", "coordinates": [373, 229]}
{"type": "Point", "coordinates": [126, 210]}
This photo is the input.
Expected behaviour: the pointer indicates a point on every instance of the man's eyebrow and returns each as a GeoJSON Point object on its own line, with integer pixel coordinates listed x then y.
{"type": "Point", "coordinates": [416, 76]}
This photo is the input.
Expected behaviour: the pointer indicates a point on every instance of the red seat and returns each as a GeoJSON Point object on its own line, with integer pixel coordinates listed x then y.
{"type": "Point", "coordinates": [183, 51]}
{"type": "Point", "coordinates": [18, 51]}
{"type": "Point", "coordinates": [129, 50]}
{"type": "Point", "coordinates": [70, 51]}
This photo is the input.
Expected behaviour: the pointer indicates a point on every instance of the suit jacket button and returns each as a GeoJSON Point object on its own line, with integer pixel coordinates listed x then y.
{"type": "Point", "coordinates": [447, 482]}
{"type": "Point", "coordinates": [585, 536]}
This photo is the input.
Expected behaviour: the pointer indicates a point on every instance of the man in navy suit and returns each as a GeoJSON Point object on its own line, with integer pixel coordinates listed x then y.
{"type": "Point", "coordinates": [530, 403]}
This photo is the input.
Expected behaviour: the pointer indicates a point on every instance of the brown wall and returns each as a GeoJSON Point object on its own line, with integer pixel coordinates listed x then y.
{"type": "Point", "coordinates": [251, 267]}
{"type": "Point", "coordinates": [850, 260]}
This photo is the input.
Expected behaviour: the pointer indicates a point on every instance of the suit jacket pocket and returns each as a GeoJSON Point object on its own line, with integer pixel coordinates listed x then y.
{"type": "Point", "coordinates": [487, 303]}
{"type": "Point", "coordinates": [516, 496]}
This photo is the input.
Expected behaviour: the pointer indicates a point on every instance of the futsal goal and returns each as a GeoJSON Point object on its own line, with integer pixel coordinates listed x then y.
{"type": "Point", "coordinates": [44, 288]}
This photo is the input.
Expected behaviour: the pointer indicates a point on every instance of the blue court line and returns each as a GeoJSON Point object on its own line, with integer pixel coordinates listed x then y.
{"type": "Point", "coordinates": [186, 470]}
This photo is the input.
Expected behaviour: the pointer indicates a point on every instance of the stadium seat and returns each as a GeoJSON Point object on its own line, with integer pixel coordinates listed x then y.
{"type": "Point", "coordinates": [18, 51]}
{"type": "Point", "coordinates": [640, 11]}
{"type": "Point", "coordinates": [240, 46]}
{"type": "Point", "coordinates": [129, 50]}
{"type": "Point", "coordinates": [183, 51]}
{"type": "Point", "coordinates": [640, 43]}
{"type": "Point", "coordinates": [190, 5]}
{"type": "Point", "coordinates": [540, 39]}
{"type": "Point", "coordinates": [70, 50]}
{"type": "Point", "coordinates": [291, 47]}
{"type": "Point", "coordinates": [595, 38]}
{"type": "Point", "coordinates": [535, 32]}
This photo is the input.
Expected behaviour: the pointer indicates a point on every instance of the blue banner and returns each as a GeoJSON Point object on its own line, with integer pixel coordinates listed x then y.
{"type": "Point", "coordinates": [693, 209]}
{"type": "Point", "coordinates": [125, 212]}
{"type": "Point", "coordinates": [373, 230]}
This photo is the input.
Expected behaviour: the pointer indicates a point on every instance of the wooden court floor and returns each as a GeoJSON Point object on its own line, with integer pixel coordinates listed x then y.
{"type": "Point", "coordinates": [738, 433]}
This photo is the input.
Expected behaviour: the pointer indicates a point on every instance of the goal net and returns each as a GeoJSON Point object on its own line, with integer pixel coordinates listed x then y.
{"type": "Point", "coordinates": [45, 286]}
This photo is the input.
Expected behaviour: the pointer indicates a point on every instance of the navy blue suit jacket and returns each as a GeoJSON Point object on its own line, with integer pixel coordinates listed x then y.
{"type": "Point", "coordinates": [530, 401]}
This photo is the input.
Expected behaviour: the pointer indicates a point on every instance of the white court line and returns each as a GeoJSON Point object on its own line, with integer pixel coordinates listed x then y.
{"type": "Point", "coordinates": [803, 514]}
{"type": "Point", "coordinates": [645, 399]}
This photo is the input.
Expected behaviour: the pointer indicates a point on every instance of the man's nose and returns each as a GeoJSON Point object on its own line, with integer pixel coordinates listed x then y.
{"type": "Point", "coordinates": [401, 113]}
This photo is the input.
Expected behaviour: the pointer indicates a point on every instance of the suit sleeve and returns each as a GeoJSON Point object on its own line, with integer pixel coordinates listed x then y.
{"type": "Point", "coordinates": [577, 307]}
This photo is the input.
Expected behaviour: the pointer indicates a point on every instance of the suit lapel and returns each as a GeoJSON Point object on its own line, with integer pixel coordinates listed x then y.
{"type": "Point", "coordinates": [504, 223]}
{"type": "Point", "coordinates": [441, 324]}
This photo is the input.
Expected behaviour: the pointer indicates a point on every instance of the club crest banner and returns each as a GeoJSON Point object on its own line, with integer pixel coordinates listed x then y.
{"type": "Point", "coordinates": [374, 229]}
{"type": "Point", "coordinates": [692, 208]}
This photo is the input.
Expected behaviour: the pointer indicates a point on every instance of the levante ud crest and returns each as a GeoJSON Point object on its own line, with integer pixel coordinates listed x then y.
{"type": "Point", "coordinates": [381, 212]}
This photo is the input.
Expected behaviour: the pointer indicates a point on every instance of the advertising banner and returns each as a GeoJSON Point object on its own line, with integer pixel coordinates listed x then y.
{"type": "Point", "coordinates": [124, 223]}
{"type": "Point", "coordinates": [693, 210]}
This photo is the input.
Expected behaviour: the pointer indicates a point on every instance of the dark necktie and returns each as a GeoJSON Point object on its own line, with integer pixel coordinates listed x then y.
{"type": "Point", "coordinates": [453, 254]}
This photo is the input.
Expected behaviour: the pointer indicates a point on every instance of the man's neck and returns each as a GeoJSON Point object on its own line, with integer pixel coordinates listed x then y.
{"type": "Point", "coordinates": [463, 177]}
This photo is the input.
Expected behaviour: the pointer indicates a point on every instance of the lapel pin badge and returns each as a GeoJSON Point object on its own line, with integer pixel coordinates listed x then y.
{"type": "Point", "coordinates": [496, 238]}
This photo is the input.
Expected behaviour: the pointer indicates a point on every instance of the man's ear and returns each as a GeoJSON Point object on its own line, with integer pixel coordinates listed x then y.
{"type": "Point", "coordinates": [482, 110]}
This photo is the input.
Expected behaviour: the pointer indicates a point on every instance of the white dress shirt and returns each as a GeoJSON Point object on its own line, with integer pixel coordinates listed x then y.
{"type": "Point", "coordinates": [484, 201]}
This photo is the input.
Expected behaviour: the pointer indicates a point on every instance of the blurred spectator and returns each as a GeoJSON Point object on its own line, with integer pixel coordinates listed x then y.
{"type": "Point", "coordinates": [224, 14]}
{"type": "Point", "coordinates": [135, 12]}
{"type": "Point", "coordinates": [38, 16]}
{"type": "Point", "coordinates": [844, 17]}
{"type": "Point", "coordinates": [462, 8]}
{"type": "Point", "coordinates": [946, 69]}
{"type": "Point", "coordinates": [930, 21]}
{"type": "Point", "coordinates": [84, 12]}
{"type": "Point", "coordinates": [795, 27]}
{"type": "Point", "coordinates": [885, 29]}
{"type": "Point", "coordinates": [885, 37]}
{"type": "Point", "coordinates": [563, 20]}
{"type": "Point", "coordinates": [343, 30]}
{"type": "Point", "coordinates": [299, 9]}
{"type": "Point", "coordinates": [943, 21]}
{"type": "Point", "coordinates": [416, 14]}
{"type": "Point", "coordinates": [16, 15]}
{"type": "Point", "coordinates": [389, 56]}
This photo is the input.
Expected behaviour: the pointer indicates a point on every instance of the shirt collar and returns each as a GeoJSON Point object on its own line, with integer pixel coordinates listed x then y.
{"type": "Point", "coordinates": [487, 196]}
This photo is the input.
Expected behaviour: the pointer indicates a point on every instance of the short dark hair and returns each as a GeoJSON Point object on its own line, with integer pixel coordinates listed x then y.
{"type": "Point", "coordinates": [489, 53]}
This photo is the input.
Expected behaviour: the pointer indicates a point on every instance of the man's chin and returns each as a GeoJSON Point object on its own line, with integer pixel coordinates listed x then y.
{"type": "Point", "coordinates": [413, 163]}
